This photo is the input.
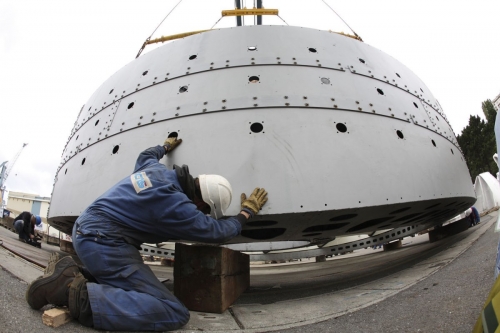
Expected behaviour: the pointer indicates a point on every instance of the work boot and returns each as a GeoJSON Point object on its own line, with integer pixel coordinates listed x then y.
{"type": "Point", "coordinates": [79, 302]}
{"type": "Point", "coordinates": [53, 288]}
{"type": "Point", "coordinates": [54, 257]}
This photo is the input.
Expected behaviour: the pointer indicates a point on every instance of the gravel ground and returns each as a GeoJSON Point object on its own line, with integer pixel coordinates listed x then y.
{"type": "Point", "coordinates": [448, 301]}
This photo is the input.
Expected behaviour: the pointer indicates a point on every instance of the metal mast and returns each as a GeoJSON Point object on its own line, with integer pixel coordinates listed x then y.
{"type": "Point", "coordinates": [259, 17]}
{"type": "Point", "coordinates": [237, 4]}
{"type": "Point", "coordinates": [4, 173]}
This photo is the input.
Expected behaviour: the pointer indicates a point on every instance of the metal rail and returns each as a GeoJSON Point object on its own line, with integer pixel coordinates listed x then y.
{"type": "Point", "coordinates": [389, 236]}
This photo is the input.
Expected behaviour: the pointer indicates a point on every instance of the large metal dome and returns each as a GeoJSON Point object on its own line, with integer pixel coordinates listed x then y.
{"type": "Point", "coordinates": [346, 139]}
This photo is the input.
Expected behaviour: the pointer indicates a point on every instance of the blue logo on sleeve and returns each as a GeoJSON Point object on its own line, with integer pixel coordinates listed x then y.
{"type": "Point", "coordinates": [140, 181]}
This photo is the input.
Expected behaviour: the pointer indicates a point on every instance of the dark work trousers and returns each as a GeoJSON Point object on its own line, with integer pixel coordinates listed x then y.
{"type": "Point", "coordinates": [128, 296]}
{"type": "Point", "coordinates": [18, 226]}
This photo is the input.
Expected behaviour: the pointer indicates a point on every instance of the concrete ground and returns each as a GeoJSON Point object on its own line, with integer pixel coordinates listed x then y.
{"type": "Point", "coordinates": [438, 287]}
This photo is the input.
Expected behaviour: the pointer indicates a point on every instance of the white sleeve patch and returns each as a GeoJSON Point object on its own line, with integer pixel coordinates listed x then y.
{"type": "Point", "coordinates": [140, 181]}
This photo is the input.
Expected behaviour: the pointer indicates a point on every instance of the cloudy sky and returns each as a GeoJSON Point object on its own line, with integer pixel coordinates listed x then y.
{"type": "Point", "coordinates": [55, 53]}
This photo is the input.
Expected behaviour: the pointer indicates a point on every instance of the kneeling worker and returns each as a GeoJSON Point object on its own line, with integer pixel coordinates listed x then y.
{"type": "Point", "coordinates": [152, 205]}
{"type": "Point", "coordinates": [24, 224]}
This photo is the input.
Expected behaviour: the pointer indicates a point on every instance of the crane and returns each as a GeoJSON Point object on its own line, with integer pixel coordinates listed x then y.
{"type": "Point", "coordinates": [4, 173]}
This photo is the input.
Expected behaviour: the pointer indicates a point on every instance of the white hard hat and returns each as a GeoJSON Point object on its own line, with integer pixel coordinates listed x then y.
{"type": "Point", "coordinates": [217, 193]}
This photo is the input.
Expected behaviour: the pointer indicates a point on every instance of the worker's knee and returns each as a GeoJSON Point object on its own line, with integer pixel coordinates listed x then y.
{"type": "Point", "coordinates": [184, 317]}
{"type": "Point", "coordinates": [180, 319]}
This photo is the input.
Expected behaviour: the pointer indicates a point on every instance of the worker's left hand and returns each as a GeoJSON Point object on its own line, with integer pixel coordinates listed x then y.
{"type": "Point", "coordinates": [171, 143]}
{"type": "Point", "coordinates": [253, 204]}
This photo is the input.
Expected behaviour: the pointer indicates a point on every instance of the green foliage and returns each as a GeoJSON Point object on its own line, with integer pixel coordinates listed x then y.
{"type": "Point", "coordinates": [478, 142]}
{"type": "Point", "coordinates": [489, 112]}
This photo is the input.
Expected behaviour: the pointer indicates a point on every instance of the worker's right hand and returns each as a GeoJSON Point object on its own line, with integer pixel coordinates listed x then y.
{"type": "Point", "coordinates": [255, 202]}
{"type": "Point", "coordinates": [171, 143]}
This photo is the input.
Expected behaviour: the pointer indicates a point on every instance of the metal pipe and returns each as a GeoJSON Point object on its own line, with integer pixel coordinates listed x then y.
{"type": "Point", "coordinates": [259, 17]}
{"type": "Point", "coordinates": [237, 4]}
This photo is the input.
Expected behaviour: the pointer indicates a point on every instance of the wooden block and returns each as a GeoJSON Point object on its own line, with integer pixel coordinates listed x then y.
{"type": "Point", "coordinates": [56, 317]}
{"type": "Point", "coordinates": [449, 230]}
{"type": "Point", "coordinates": [320, 258]}
{"type": "Point", "coordinates": [393, 245]}
{"type": "Point", "coordinates": [167, 262]}
{"type": "Point", "coordinates": [209, 278]}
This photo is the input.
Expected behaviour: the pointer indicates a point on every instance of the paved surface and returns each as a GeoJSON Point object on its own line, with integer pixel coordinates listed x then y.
{"type": "Point", "coordinates": [423, 287]}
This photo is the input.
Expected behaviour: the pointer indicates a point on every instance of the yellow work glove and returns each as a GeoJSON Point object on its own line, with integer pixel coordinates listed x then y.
{"type": "Point", "coordinates": [253, 204]}
{"type": "Point", "coordinates": [171, 143]}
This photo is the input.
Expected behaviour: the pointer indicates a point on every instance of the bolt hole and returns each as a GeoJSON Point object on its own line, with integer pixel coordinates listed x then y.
{"type": "Point", "coordinates": [415, 104]}
{"type": "Point", "coordinates": [65, 172]}
{"type": "Point", "coordinates": [115, 149]}
{"type": "Point", "coordinates": [131, 105]}
{"type": "Point", "coordinates": [83, 161]}
{"type": "Point", "coordinates": [341, 128]}
{"type": "Point", "coordinates": [312, 49]}
{"type": "Point", "coordinates": [398, 75]}
{"type": "Point", "coordinates": [145, 73]}
{"type": "Point", "coordinates": [380, 91]}
{"type": "Point", "coordinates": [256, 127]}
{"type": "Point", "coordinates": [173, 135]}
{"type": "Point", "coordinates": [97, 122]}
{"type": "Point", "coordinates": [253, 79]}
{"type": "Point", "coordinates": [194, 56]}
{"type": "Point", "coordinates": [110, 92]}
{"type": "Point", "coordinates": [452, 151]}
{"type": "Point", "coordinates": [434, 143]}
{"type": "Point", "coordinates": [400, 134]}
{"type": "Point", "coordinates": [362, 61]}
{"type": "Point", "coordinates": [252, 48]}
{"type": "Point", "coordinates": [325, 80]}
{"type": "Point", "coordinates": [183, 89]}
{"type": "Point", "coordinates": [77, 137]}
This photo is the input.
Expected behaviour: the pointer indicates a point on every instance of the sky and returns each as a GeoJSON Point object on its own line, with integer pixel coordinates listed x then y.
{"type": "Point", "coordinates": [55, 53]}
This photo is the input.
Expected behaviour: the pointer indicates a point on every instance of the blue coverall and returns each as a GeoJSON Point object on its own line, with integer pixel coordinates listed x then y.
{"type": "Point", "coordinates": [147, 207]}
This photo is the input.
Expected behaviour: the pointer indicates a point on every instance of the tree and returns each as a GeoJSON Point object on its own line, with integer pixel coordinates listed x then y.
{"type": "Point", "coordinates": [478, 142]}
